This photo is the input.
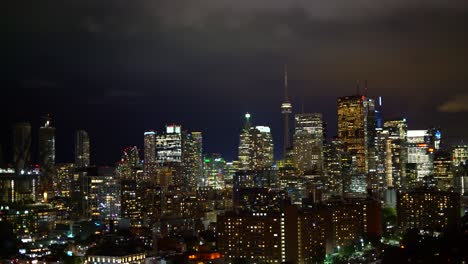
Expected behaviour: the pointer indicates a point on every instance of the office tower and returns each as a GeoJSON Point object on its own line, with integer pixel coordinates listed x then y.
{"type": "Point", "coordinates": [333, 157]}
{"type": "Point", "coordinates": [396, 156]}
{"type": "Point", "coordinates": [21, 145]}
{"type": "Point", "coordinates": [149, 152]}
{"type": "Point", "coordinates": [443, 172]}
{"type": "Point", "coordinates": [169, 152]}
{"type": "Point", "coordinates": [192, 160]}
{"type": "Point", "coordinates": [169, 145]}
{"type": "Point", "coordinates": [245, 146]}
{"type": "Point", "coordinates": [255, 147]}
{"type": "Point", "coordinates": [46, 154]}
{"type": "Point", "coordinates": [378, 114]}
{"type": "Point", "coordinates": [459, 155]}
{"type": "Point", "coordinates": [286, 109]}
{"type": "Point", "coordinates": [460, 168]}
{"type": "Point", "coordinates": [422, 209]}
{"type": "Point", "coordinates": [308, 142]}
{"type": "Point", "coordinates": [129, 163]}
{"type": "Point", "coordinates": [420, 153]}
{"type": "Point", "coordinates": [213, 171]}
{"type": "Point", "coordinates": [82, 154]}
{"type": "Point", "coordinates": [356, 130]}
{"type": "Point", "coordinates": [435, 138]}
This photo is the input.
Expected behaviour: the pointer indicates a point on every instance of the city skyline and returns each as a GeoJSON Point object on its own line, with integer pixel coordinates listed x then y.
{"type": "Point", "coordinates": [228, 151]}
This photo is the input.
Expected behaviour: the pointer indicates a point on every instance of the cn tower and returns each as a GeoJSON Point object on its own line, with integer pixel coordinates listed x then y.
{"type": "Point", "coordinates": [286, 108]}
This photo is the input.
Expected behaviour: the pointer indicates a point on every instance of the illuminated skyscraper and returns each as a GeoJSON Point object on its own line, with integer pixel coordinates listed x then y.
{"type": "Point", "coordinates": [169, 152]}
{"type": "Point", "coordinates": [82, 154]}
{"type": "Point", "coordinates": [286, 109]}
{"type": "Point", "coordinates": [21, 145]}
{"type": "Point", "coordinates": [420, 152]}
{"type": "Point", "coordinates": [308, 142]}
{"type": "Point", "coordinates": [169, 145]}
{"type": "Point", "coordinates": [459, 155]}
{"type": "Point", "coordinates": [149, 151]}
{"type": "Point", "coordinates": [396, 152]}
{"type": "Point", "coordinates": [192, 159]}
{"type": "Point", "coordinates": [352, 128]}
{"type": "Point", "coordinates": [245, 146]}
{"type": "Point", "coordinates": [356, 130]}
{"type": "Point", "coordinates": [214, 171]}
{"type": "Point", "coordinates": [47, 154]}
{"type": "Point", "coordinates": [255, 147]}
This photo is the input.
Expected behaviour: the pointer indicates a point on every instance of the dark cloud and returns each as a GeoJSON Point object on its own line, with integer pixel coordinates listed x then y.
{"type": "Point", "coordinates": [215, 59]}
{"type": "Point", "coordinates": [455, 105]}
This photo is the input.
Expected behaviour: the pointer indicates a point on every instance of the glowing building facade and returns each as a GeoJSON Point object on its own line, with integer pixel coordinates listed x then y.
{"type": "Point", "coordinates": [82, 154]}
{"type": "Point", "coordinates": [255, 147]}
{"type": "Point", "coordinates": [192, 159]}
{"type": "Point", "coordinates": [308, 142]}
{"type": "Point", "coordinates": [420, 152]}
{"type": "Point", "coordinates": [169, 145]}
{"type": "Point", "coordinates": [149, 138]}
{"type": "Point", "coordinates": [356, 130]}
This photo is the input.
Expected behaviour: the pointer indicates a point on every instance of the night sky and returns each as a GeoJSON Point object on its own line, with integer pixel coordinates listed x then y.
{"type": "Point", "coordinates": [116, 68]}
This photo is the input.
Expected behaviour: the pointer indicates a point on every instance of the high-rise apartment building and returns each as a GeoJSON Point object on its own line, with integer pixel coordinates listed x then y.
{"type": "Point", "coordinates": [428, 209]}
{"type": "Point", "coordinates": [21, 145]}
{"type": "Point", "coordinates": [82, 153]}
{"type": "Point", "coordinates": [308, 142]}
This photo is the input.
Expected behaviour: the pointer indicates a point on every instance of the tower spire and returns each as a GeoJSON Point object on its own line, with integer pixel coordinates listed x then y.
{"type": "Point", "coordinates": [286, 98]}
{"type": "Point", "coordinates": [286, 109]}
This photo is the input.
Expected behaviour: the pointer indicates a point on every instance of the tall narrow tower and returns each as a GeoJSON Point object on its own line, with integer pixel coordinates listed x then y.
{"type": "Point", "coordinates": [286, 108]}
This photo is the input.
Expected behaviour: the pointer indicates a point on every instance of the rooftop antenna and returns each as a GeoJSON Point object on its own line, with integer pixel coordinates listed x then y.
{"type": "Point", "coordinates": [286, 83]}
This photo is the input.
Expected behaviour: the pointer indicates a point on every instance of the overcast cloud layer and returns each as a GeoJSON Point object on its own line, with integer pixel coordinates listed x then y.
{"type": "Point", "coordinates": [154, 57]}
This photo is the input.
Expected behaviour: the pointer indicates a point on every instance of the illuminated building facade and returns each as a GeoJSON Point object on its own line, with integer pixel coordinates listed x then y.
{"type": "Point", "coordinates": [21, 145]}
{"type": "Point", "coordinates": [192, 160]}
{"type": "Point", "coordinates": [308, 142]}
{"type": "Point", "coordinates": [82, 154]}
{"type": "Point", "coordinates": [333, 154]}
{"type": "Point", "coordinates": [169, 145]}
{"type": "Point", "coordinates": [443, 170]}
{"type": "Point", "coordinates": [420, 152]}
{"type": "Point", "coordinates": [137, 258]}
{"type": "Point", "coordinates": [428, 209]}
{"type": "Point", "coordinates": [352, 219]}
{"type": "Point", "coordinates": [255, 147]}
{"type": "Point", "coordinates": [459, 155]}
{"type": "Point", "coordinates": [149, 138]}
{"type": "Point", "coordinates": [356, 130]}
{"type": "Point", "coordinates": [251, 237]}
{"type": "Point", "coordinates": [62, 181]}
{"type": "Point", "coordinates": [47, 154]}
{"type": "Point", "coordinates": [396, 156]}
{"type": "Point", "coordinates": [213, 171]}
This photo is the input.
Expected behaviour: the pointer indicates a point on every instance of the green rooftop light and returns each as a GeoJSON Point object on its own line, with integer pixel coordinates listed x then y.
{"type": "Point", "coordinates": [207, 160]}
